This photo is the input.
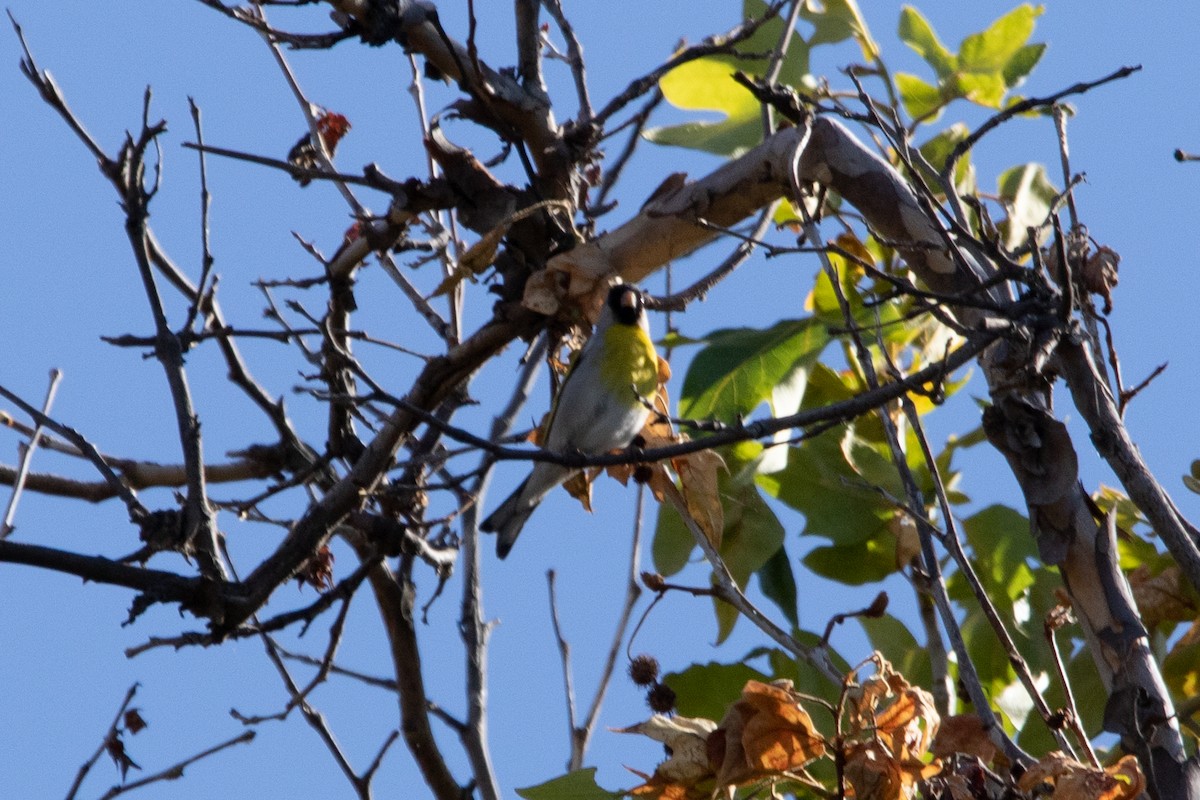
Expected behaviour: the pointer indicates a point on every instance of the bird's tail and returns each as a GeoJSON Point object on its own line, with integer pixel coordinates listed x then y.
{"type": "Point", "coordinates": [508, 520]}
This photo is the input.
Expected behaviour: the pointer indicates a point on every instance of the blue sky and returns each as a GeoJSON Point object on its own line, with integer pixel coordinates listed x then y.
{"type": "Point", "coordinates": [67, 278]}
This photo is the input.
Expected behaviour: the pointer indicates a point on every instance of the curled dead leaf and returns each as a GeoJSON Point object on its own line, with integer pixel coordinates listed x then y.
{"type": "Point", "coordinates": [1100, 274]}
{"type": "Point", "coordinates": [134, 723]}
{"type": "Point", "coordinates": [698, 481]}
{"type": "Point", "coordinates": [116, 751]}
{"type": "Point", "coordinates": [857, 250]}
{"type": "Point", "coordinates": [1164, 597]}
{"type": "Point", "coordinates": [876, 774]}
{"type": "Point", "coordinates": [317, 571]}
{"type": "Point", "coordinates": [908, 541]}
{"type": "Point", "coordinates": [902, 716]}
{"type": "Point", "coordinates": [1070, 780]}
{"type": "Point", "coordinates": [766, 732]}
{"type": "Point", "coordinates": [686, 740]}
{"type": "Point", "coordinates": [579, 486]}
{"type": "Point", "coordinates": [963, 733]}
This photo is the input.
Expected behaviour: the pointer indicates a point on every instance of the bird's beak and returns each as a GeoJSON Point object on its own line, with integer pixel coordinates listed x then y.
{"type": "Point", "coordinates": [629, 299]}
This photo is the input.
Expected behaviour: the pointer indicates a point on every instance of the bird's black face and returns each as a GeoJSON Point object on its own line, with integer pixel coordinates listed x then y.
{"type": "Point", "coordinates": [626, 303]}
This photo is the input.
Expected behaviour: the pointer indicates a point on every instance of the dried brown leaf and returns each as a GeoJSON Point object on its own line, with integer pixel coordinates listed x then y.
{"type": "Point", "coordinates": [1163, 597]}
{"type": "Point", "coordinates": [134, 722]}
{"type": "Point", "coordinates": [116, 751]}
{"type": "Point", "coordinates": [686, 739]}
{"type": "Point", "coordinates": [1074, 781]}
{"type": "Point", "coordinates": [908, 541]}
{"type": "Point", "coordinates": [766, 732]}
{"type": "Point", "coordinates": [963, 733]}
{"type": "Point", "coordinates": [579, 486]}
{"type": "Point", "coordinates": [317, 571]}
{"type": "Point", "coordinates": [875, 774]}
{"type": "Point", "coordinates": [698, 482]}
{"type": "Point", "coordinates": [901, 715]}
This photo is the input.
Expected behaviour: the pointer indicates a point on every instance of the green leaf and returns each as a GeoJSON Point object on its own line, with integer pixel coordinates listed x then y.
{"type": "Point", "coordinates": [673, 542]}
{"type": "Point", "coordinates": [988, 64]}
{"type": "Point", "coordinates": [778, 584]}
{"type": "Point", "coordinates": [706, 84]}
{"type": "Point", "coordinates": [993, 49]}
{"type": "Point", "coordinates": [1028, 194]}
{"type": "Point", "coordinates": [1086, 684]}
{"type": "Point", "coordinates": [836, 21]}
{"type": "Point", "coordinates": [578, 785]}
{"type": "Point", "coordinates": [1003, 535]}
{"type": "Point", "coordinates": [854, 565]}
{"type": "Point", "coordinates": [1181, 667]}
{"type": "Point", "coordinates": [984, 88]}
{"type": "Point", "coordinates": [804, 678]}
{"type": "Point", "coordinates": [706, 690]}
{"type": "Point", "coordinates": [752, 536]}
{"type": "Point", "coordinates": [1022, 63]}
{"type": "Point", "coordinates": [921, 100]}
{"type": "Point", "coordinates": [937, 152]}
{"type": "Point", "coordinates": [820, 483]}
{"type": "Point", "coordinates": [892, 637]}
{"type": "Point", "coordinates": [740, 367]}
{"type": "Point", "coordinates": [916, 32]}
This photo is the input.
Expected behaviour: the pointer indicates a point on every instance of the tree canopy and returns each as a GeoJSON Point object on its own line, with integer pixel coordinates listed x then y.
{"type": "Point", "coordinates": [893, 400]}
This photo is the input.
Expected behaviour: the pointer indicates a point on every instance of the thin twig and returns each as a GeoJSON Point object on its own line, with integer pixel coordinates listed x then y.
{"type": "Point", "coordinates": [1026, 105]}
{"type": "Point", "coordinates": [206, 256]}
{"type": "Point", "coordinates": [574, 732]}
{"type": "Point", "coordinates": [108, 735]}
{"type": "Point", "coordinates": [574, 59]}
{"type": "Point", "coordinates": [175, 771]}
{"type": "Point", "coordinates": [26, 458]}
{"type": "Point", "coordinates": [1049, 626]}
{"type": "Point", "coordinates": [136, 510]}
{"type": "Point", "coordinates": [633, 590]}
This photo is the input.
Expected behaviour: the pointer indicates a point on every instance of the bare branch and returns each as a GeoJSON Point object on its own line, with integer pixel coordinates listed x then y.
{"type": "Point", "coordinates": [27, 451]}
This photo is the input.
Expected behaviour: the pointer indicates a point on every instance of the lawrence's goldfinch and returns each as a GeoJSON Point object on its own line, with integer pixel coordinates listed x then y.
{"type": "Point", "coordinates": [601, 406]}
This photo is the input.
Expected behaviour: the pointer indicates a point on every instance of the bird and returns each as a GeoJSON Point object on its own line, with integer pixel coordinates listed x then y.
{"type": "Point", "coordinates": [603, 404]}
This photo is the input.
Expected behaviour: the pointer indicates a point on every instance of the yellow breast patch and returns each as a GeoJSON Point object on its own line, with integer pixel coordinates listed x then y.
{"type": "Point", "coordinates": [629, 358]}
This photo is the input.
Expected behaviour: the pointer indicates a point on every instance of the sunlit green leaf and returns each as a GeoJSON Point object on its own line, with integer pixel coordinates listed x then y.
{"type": "Point", "coordinates": [578, 785]}
{"type": "Point", "coordinates": [988, 64]}
{"type": "Point", "coordinates": [992, 49]}
{"type": "Point", "coordinates": [937, 152]}
{"type": "Point", "coordinates": [1022, 63]}
{"type": "Point", "coordinates": [823, 299]}
{"type": "Point", "coordinates": [921, 100]}
{"type": "Point", "coordinates": [917, 33]}
{"type": "Point", "coordinates": [837, 20]}
{"type": "Point", "coordinates": [1003, 535]}
{"type": "Point", "coordinates": [835, 500]}
{"type": "Point", "coordinates": [1181, 667]}
{"type": "Point", "coordinates": [827, 385]}
{"type": "Point", "coordinates": [740, 367]}
{"type": "Point", "coordinates": [872, 461]}
{"type": "Point", "coordinates": [705, 84]}
{"type": "Point", "coordinates": [1085, 684]}
{"type": "Point", "coordinates": [1028, 194]}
